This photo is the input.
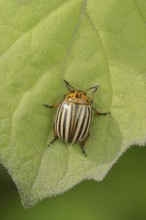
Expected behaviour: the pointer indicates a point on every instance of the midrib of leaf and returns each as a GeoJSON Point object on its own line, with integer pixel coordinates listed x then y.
{"type": "Point", "coordinates": [105, 55]}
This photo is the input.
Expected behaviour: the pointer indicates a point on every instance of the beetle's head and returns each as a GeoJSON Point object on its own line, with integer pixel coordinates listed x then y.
{"type": "Point", "coordinates": [77, 96]}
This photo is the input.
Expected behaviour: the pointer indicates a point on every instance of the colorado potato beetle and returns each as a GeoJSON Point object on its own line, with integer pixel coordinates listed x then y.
{"type": "Point", "coordinates": [73, 117]}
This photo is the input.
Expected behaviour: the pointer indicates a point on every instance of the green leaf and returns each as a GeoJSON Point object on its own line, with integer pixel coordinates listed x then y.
{"type": "Point", "coordinates": [87, 43]}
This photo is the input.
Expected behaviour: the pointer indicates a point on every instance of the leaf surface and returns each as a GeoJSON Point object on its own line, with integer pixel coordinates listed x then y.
{"type": "Point", "coordinates": [87, 43]}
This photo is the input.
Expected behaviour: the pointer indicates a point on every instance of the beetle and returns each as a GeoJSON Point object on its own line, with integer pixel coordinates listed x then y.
{"type": "Point", "coordinates": [73, 118]}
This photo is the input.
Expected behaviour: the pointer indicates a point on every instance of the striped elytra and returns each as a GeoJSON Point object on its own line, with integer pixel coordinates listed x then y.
{"type": "Point", "coordinates": [72, 122]}
{"type": "Point", "coordinates": [73, 117]}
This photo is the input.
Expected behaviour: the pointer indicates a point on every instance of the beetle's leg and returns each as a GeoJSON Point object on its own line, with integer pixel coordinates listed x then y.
{"type": "Point", "coordinates": [82, 144]}
{"type": "Point", "coordinates": [100, 113]}
{"type": "Point", "coordinates": [55, 135]}
{"type": "Point", "coordinates": [54, 139]}
{"type": "Point", "coordinates": [51, 106]}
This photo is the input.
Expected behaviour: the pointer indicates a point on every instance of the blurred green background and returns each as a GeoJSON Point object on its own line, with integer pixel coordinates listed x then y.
{"type": "Point", "coordinates": [120, 196]}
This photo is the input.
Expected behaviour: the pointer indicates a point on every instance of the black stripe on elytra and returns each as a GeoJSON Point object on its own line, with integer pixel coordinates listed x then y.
{"type": "Point", "coordinates": [90, 117]}
{"type": "Point", "coordinates": [75, 106]}
{"type": "Point", "coordinates": [59, 120]}
{"type": "Point", "coordinates": [77, 121]}
{"type": "Point", "coordinates": [64, 120]}
{"type": "Point", "coordinates": [87, 125]}
{"type": "Point", "coordinates": [83, 122]}
{"type": "Point", "coordinates": [70, 121]}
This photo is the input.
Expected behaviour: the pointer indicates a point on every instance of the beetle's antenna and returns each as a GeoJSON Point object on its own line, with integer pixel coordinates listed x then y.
{"type": "Point", "coordinates": [93, 87]}
{"type": "Point", "coordinates": [93, 92]}
{"type": "Point", "coordinates": [69, 87]}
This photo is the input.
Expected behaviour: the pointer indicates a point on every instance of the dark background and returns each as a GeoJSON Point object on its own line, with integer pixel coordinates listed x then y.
{"type": "Point", "coordinates": [120, 196]}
